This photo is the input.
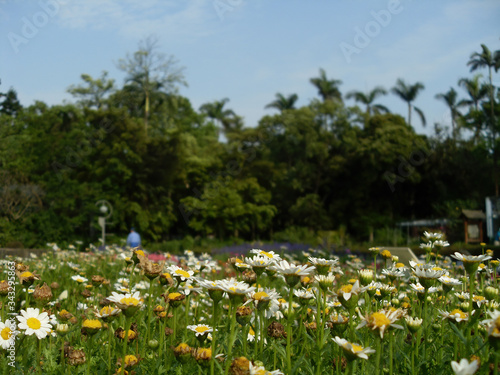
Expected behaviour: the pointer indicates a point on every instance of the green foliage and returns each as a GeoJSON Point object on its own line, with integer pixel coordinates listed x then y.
{"type": "Point", "coordinates": [167, 169]}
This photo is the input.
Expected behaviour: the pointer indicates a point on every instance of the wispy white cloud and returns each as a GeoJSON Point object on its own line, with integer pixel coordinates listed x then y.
{"type": "Point", "coordinates": [132, 18]}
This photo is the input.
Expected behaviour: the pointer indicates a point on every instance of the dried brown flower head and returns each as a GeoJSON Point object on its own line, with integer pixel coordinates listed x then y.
{"type": "Point", "coordinates": [42, 294]}
{"type": "Point", "coordinates": [276, 330]}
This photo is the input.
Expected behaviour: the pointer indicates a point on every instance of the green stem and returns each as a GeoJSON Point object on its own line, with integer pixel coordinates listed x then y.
{"type": "Point", "coordinates": [110, 337]}
{"type": "Point", "coordinates": [413, 356]}
{"type": "Point", "coordinates": [214, 336]}
{"type": "Point", "coordinates": [150, 308]}
{"type": "Point", "coordinates": [38, 353]}
{"type": "Point", "coordinates": [231, 338]}
{"type": "Point", "coordinates": [495, 369]}
{"type": "Point", "coordinates": [378, 348]}
{"type": "Point", "coordinates": [89, 353]}
{"type": "Point", "coordinates": [128, 322]}
{"type": "Point", "coordinates": [350, 368]}
{"type": "Point", "coordinates": [391, 343]}
{"type": "Point", "coordinates": [289, 333]}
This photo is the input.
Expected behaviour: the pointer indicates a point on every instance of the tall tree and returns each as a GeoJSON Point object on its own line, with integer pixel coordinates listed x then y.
{"type": "Point", "coordinates": [486, 59]}
{"type": "Point", "coordinates": [282, 103]}
{"type": "Point", "coordinates": [409, 93]}
{"type": "Point", "coordinates": [450, 98]}
{"type": "Point", "coordinates": [94, 91]}
{"type": "Point", "coordinates": [476, 90]}
{"type": "Point", "coordinates": [225, 118]}
{"type": "Point", "coordinates": [328, 89]}
{"type": "Point", "coordinates": [368, 99]}
{"type": "Point", "coordinates": [149, 71]}
{"type": "Point", "coordinates": [10, 105]}
{"type": "Point", "coordinates": [489, 60]}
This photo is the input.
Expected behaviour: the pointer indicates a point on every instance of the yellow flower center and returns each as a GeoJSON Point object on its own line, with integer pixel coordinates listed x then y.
{"type": "Point", "coordinates": [131, 334]}
{"type": "Point", "coordinates": [260, 295]}
{"type": "Point", "coordinates": [173, 295]}
{"type": "Point", "coordinates": [356, 348]}
{"type": "Point", "coordinates": [269, 255]}
{"type": "Point", "coordinates": [399, 265]}
{"type": "Point", "coordinates": [130, 301]}
{"type": "Point", "coordinates": [26, 274]}
{"type": "Point", "coordinates": [183, 273]}
{"type": "Point", "coordinates": [251, 332]}
{"type": "Point", "coordinates": [34, 323]}
{"type": "Point", "coordinates": [201, 329]}
{"type": "Point", "coordinates": [130, 359]}
{"type": "Point", "coordinates": [346, 288]}
{"type": "Point", "coordinates": [460, 313]}
{"type": "Point", "coordinates": [281, 300]}
{"type": "Point", "coordinates": [437, 268]}
{"type": "Point", "coordinates": [379, 320]}
{"type": "Point", "coordinates": [478, 298]}
{"type": "Point", "coordinates": [107, 310]}
{"type": "Point", "coordinates": [92, 323]}
{"type": "Point", "coordinates": [386, 253]}
{"type": "Point", "coordinates": [6, 333]}
{"type": "Point", "coordinates": [140, 252]}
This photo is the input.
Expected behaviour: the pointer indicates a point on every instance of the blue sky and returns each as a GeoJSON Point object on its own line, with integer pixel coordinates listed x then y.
{"type": "Point", "coordinates": [248, 50]}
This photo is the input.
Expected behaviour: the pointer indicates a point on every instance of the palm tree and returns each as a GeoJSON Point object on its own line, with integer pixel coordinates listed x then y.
{"type": "Point", "coordinates": [450, 98]}
{"type": "Point", "coordinates": [489, 60]}
{"type": "Point", "coordinates": [149, 72]}
{"type": "Point", "coordinates": [476, 90]}
{"type": "Point", "coordinates": [327, 89]}
{"type": "Point", "coordinates": [409, 93]}
{"type": "Point", "coordinates": [216, 111]}
{"type": "Point", "coordinates": [486, 59]}
{"type": "Point", "coordinates": [368, 99]}
{"type": "Point", "coordinates": [283, 102]}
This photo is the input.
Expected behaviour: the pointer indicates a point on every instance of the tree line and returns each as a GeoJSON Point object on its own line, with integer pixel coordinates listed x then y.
{"type": "Point", "coordinates": [342, 162]}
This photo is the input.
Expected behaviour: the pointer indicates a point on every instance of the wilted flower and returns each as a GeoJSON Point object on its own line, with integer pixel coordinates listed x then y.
{"type": "Point", "coordinates": [42, 294]}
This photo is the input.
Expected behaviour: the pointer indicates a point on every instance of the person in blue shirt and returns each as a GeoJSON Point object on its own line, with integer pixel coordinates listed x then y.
{"type": "Point", "coordinates": [133, 239]}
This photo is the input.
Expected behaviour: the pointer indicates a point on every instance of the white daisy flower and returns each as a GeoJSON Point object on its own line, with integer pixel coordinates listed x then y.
{"type": "Point", "coordinates": [180, 273]}
{"type": "Point", "coordinates": [124, 301]}
{"type": "Point", "coordinates": [464, 367]}
{"type": "Point", "coordinates": [32, 321]}
{"type": "Point", "coordinates": [79, 279]}
{"type": "Point", "coordinates": [352, 350]}
{"type": "Point", "coordinates": [7, 334]}
{"type": "Point", "coordinates": [269, 254]}
{"type": "Point", "coordinates": [200, 329]}
{"type": "Point", "coordinates": [288, 269]}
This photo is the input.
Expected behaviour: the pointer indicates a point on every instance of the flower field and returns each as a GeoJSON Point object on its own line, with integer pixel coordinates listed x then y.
{"type": "Point", "coordinates": [127, 312]}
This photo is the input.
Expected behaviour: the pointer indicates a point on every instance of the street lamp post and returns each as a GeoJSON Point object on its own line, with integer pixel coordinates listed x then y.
{"type": "Point", "coordinates": [106, 210]}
